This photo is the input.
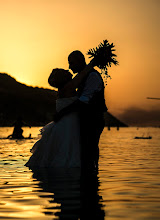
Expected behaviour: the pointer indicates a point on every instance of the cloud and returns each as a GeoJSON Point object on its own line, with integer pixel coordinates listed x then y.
{"type": "Point", "coordinates": [139, 117]}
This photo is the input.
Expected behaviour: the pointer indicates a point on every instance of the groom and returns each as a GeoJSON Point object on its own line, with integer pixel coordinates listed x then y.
{"type": "Point", "coordinates": [91, 107]}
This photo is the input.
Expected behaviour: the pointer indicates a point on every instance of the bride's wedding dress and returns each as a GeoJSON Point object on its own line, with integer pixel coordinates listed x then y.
{"type": "Point", "coordinates": [59, 145]}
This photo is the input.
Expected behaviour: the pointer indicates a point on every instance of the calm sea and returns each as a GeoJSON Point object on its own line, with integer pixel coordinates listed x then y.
{"type": "Point", "coordinates": [127, 186]}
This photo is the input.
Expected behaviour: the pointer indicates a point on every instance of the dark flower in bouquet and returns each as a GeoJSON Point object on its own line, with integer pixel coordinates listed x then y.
{"type": "Point", "coordinates": [103, 57]}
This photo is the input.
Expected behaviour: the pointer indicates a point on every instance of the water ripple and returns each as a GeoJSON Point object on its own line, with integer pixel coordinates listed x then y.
{"type": "Point", "coordinates": [126, 187]}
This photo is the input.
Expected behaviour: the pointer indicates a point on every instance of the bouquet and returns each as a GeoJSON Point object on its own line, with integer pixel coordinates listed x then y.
{"type": "Point", "coordinates": [103, 57]}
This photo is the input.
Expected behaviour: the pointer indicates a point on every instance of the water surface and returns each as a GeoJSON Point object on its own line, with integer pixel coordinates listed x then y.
{"type": "Point", "coordinates": [126, 187]}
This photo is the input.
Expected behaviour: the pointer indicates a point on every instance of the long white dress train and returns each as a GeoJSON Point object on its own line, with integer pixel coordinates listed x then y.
{"type": "Point", "coordinates": [59, 145]}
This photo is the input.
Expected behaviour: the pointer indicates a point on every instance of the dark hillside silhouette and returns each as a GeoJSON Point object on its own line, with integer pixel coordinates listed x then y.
{"type": "Point", "coordinates": [111, 121]}
{"type": "Point", "coordinates": [35, 105]}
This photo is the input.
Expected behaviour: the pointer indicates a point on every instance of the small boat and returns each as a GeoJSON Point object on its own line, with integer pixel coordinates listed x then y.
{"type": "Point", "coordinates": [149, 137]}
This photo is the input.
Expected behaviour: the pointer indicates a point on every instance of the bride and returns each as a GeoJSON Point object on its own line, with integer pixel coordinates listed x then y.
{"type": "Point", "coordinates": [59, 145]}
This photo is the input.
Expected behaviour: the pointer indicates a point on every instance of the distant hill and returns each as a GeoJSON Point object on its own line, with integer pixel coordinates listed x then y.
{"type": "Point", "coordinates": [35, 105]}
{"type": "Point", "coordinates": [111, 121]}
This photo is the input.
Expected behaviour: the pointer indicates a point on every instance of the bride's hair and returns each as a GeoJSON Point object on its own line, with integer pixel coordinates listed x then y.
{"type": "Point", "coordinates": [59, 77]}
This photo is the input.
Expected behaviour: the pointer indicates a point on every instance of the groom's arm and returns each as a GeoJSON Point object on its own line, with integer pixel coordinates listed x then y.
{"type": "Point", "coordinates": [92, 85]}
{"type": "Point", "coordinates": [74, 107]}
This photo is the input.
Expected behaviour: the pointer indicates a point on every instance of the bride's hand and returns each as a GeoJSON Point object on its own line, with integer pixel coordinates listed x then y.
{"type": "Point", "coordinates": [90, 65]}
{"type": "Point", "coordinates": [94, 61]}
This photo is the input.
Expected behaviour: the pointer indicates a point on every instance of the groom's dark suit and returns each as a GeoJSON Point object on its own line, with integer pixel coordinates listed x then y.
{"type": "Point", "coordinates": [91, 94]}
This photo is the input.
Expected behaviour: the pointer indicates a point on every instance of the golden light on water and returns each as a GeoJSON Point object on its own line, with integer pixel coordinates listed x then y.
{"type": "Point", "coordinates": [127, 183]}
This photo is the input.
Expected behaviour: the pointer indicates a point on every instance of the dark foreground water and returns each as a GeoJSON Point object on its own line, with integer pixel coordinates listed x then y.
{"type": "Point", "coordinates": [127, 186]}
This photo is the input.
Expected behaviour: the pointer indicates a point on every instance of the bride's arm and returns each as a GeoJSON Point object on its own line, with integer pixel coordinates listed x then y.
{"type": "Point", "coordinates": [77, 80]}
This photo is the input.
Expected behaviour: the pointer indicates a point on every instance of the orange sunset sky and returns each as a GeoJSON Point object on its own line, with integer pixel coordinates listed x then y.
{"type": "Point", "coordinates": [37, 36]}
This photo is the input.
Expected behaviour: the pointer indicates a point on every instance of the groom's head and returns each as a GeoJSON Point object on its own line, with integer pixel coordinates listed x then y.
{"type": "Point", "coordinates": [76, 61]}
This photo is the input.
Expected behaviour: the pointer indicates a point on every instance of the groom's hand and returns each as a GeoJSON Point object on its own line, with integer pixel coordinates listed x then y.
{"type": "Point", "coordinates": [57, 116]}
{"type": "Point", "coordinates": [74, 107]}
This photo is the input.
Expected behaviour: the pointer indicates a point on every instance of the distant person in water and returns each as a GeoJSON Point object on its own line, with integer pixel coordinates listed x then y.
{"type": "Point", "coordinates": [18, 131]}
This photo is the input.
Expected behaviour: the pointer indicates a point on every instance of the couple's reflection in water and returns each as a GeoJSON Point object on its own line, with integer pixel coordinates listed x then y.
{"type": "Point", "coordinates": [73, 196]}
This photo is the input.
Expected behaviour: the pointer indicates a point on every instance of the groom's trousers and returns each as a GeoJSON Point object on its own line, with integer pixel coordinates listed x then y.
{"type": "Point", "coordinates": [91, 126]}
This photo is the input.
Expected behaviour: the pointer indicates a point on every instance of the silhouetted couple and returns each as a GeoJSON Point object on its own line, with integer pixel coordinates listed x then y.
{"type": "Point", "coordinates": [71, 140]}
